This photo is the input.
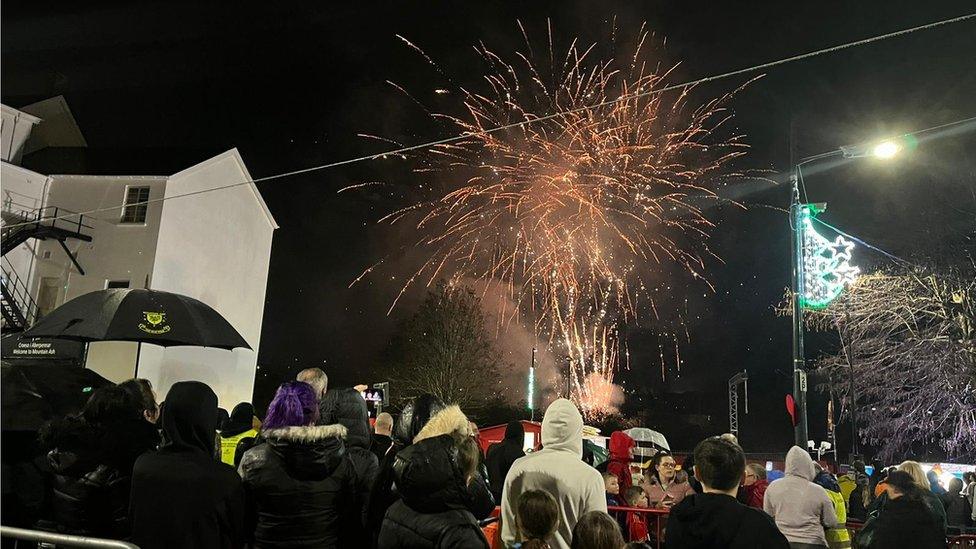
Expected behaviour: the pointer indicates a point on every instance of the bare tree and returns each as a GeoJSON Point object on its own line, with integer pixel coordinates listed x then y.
{"type": "Point", "coordinates": [907, 341]}
{"type": "Point", "coordinates": [444, 349]}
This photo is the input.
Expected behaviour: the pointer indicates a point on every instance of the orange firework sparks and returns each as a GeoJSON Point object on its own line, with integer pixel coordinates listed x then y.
{"type": "Point", "coordinates": [571, 214]}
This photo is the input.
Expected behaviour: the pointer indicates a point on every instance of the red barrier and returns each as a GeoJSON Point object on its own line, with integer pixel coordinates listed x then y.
{"type": "Point", "coordinates": [659, 517]}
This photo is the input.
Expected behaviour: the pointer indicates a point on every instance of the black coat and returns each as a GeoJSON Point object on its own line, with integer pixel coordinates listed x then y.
{"type": "Point", "coordinates": [956, 507]}
{"type": "Point", "coordinates": [347, 407]}
{"type": "Point", "coordinates": [433, 511]}
{"type": "Point", "coordinates": [502, 455]}
{"type": "Point", "coordinates": [181, 496]}
{"type": "Point", "coordinates": [379, 445]}
{"type": "Point", "coordinates": [90, 469]}
{"type": "Point", "coordinates": [905, 523]}
{"type": "Point", "coordinates": [297, 486]}
{"type": "Point", "coordinates": [383, 494]}
{"type": "Point", "coordinates": [714, 521]}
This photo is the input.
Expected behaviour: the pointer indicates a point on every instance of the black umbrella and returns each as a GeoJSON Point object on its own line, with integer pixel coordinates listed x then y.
{"type": "Point", "coordinates": [34, 393]}
{"type": "Point", "coordinates": [144, 316]}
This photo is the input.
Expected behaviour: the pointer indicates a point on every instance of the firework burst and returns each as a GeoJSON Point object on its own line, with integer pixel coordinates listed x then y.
{"type": "Point", "coordinates": [574, 211]}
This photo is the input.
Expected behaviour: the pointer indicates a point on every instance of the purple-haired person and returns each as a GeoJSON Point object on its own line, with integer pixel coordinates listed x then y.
{"type": "Point", "coordinates": [295, 482]}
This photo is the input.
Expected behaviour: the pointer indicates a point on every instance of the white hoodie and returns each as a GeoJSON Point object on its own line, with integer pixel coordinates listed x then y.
{"type": "Point", "coordinates": [558, 469]}
{"type": "Point", "coordinates": [800, 508]}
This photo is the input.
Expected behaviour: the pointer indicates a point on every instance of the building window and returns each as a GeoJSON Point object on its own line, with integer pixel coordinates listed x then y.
{"type": "Point", "coordinates": [135, 205]}
{"type": "Point", "coordinates": [109, 284]}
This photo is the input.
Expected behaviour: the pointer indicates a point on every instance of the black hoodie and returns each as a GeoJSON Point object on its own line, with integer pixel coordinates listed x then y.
{"type": "Point", "coordinates": [182, 496]}
{"type": "Point", "coordinates": [718, 521]}
{"type": "Point", "coordinates": [502, 455]}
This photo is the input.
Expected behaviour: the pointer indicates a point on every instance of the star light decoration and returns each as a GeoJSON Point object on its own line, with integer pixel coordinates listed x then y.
{"type": "Point", "coordinates": [827, 268]}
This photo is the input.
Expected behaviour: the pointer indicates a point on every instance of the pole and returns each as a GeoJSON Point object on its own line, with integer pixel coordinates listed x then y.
{"type": "Point", "coordinates": [800, 433]}
{"type": "Point", "coordinates": [532, 387]}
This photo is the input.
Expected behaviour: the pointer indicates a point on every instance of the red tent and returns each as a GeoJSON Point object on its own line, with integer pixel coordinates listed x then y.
{"type": "Point", "coordinates": [490, 435]}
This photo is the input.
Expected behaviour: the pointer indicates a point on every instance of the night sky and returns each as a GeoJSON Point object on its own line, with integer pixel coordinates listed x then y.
{"type": "Point", "coordinates": [156, 87]}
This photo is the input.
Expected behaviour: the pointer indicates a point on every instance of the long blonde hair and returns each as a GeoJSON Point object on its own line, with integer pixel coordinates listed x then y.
{"type": "Point", "coordinates": [915, 471]}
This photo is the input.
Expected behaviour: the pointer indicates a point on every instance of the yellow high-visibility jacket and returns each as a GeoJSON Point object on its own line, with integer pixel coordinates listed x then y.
{"type": "Point", "coordinates": [228, 445]}
{"type": "Point", "coordinates": [838, 538]}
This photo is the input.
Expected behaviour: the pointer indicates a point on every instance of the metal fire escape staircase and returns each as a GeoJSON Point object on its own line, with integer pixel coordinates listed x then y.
{"type": "Point", "coordinates": [17, 306]}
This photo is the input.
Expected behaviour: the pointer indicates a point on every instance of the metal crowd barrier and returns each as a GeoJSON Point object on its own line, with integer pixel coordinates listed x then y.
{"type": "Point", "coordinates": [656, 520]}
{"type": "Point", "coordinates": [51, 539]}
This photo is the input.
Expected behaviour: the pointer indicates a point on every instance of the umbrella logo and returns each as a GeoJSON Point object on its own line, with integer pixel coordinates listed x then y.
{"type": "Point", "coordinates": [155, 323]}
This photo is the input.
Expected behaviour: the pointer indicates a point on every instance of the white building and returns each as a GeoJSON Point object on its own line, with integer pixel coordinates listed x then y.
{"type": "Point", "coordinates": [213, 246]}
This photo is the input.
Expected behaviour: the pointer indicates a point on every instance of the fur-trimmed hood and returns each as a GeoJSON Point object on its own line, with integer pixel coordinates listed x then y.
{"type": "Point", "coordinates": [449, 421]}
{"type": "Point", "coordinates": [305, 434]}
{"type": "Point", "coordinates": [311, 452]}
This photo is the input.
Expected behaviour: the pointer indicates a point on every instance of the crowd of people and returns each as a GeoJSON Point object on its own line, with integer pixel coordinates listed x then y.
{"type": "Point", "coordinates": [315, 473]}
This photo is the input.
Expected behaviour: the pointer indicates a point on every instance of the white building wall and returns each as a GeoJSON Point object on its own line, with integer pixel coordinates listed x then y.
{"type": "Point", "coordinates": [118, 251]}
{"type": "Point", "coordinates": [215, 247]}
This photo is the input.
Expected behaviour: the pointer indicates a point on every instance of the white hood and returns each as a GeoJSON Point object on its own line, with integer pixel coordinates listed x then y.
{"type": "Point", "coordinates": [562, 427]}
{"type": "Point", "coordinates": [799, 463]}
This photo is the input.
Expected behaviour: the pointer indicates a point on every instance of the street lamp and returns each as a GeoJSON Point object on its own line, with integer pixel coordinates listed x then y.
{"type": "Point", "coordinates": [803, 236]}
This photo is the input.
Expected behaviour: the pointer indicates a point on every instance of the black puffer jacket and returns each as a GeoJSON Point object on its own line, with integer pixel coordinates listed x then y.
{"type": "Point", "coordinates": [296, 486]}
{"type": "Point", "coordinates": [412, 419]}
{"type": "Point", "coordinates": [433, 510]}
{"type": "Point", "coordinates": [347, 407]}
{"type": "Point", "coordinates": [90, 474]}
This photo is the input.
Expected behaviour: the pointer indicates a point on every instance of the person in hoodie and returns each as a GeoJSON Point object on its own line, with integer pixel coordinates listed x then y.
{"type": "Point", "coordinates": [800, 508]}
{"type": "Point", "coordinates": [432, 477]}
{"type": "Point", "coordinates": [621, 454]}
{"type": "Point", "coordinates": [298, 482]}
{"type": "Point", "coordinates": [905, 522]}
{"type": "Point", "coordinates": [237, 429]}
{"type": "Point", "coordinates": [501, 456]}
{"type": "Point", "coordinates": [558, 469]}
{"type": "Point", "coordinates": [714, 519]}
{"type": "Point", "coordinates": [181, 496]}
{"type": "Point", "coordinates": [383, 494]}
{"type": "Point", "coordinates": [91, 457]}
{"type": "Point", "coordinates": [754, 485]}
{"type": "Point", "coordinates": [839, 537]}
{"type": "Point", "coordinates": [347, 407]}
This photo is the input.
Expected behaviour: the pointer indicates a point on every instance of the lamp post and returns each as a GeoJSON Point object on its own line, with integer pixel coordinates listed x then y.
{"type": "Point", "coordinates": [801, 216]}
{"type": "Point", "coordinates": [531, 395]}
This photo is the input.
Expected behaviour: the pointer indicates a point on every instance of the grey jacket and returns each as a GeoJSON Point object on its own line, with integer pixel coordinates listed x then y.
{"type": "Point", "coordinates": [800, 508]}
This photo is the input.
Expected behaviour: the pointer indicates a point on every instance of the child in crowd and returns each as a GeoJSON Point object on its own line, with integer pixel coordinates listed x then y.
{"type": "Point", "coordinates": [597, 530]}
{"type": "Point", "coordinates": [636, 522]}
{"type": "Point", "coordinates": [612, 485]}
{"type": "Point", "coordinates": [536, 516]}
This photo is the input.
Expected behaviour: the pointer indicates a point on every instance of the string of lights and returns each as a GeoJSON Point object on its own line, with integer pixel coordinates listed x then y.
{"type": "Point", "coordinates": [534, 120]}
